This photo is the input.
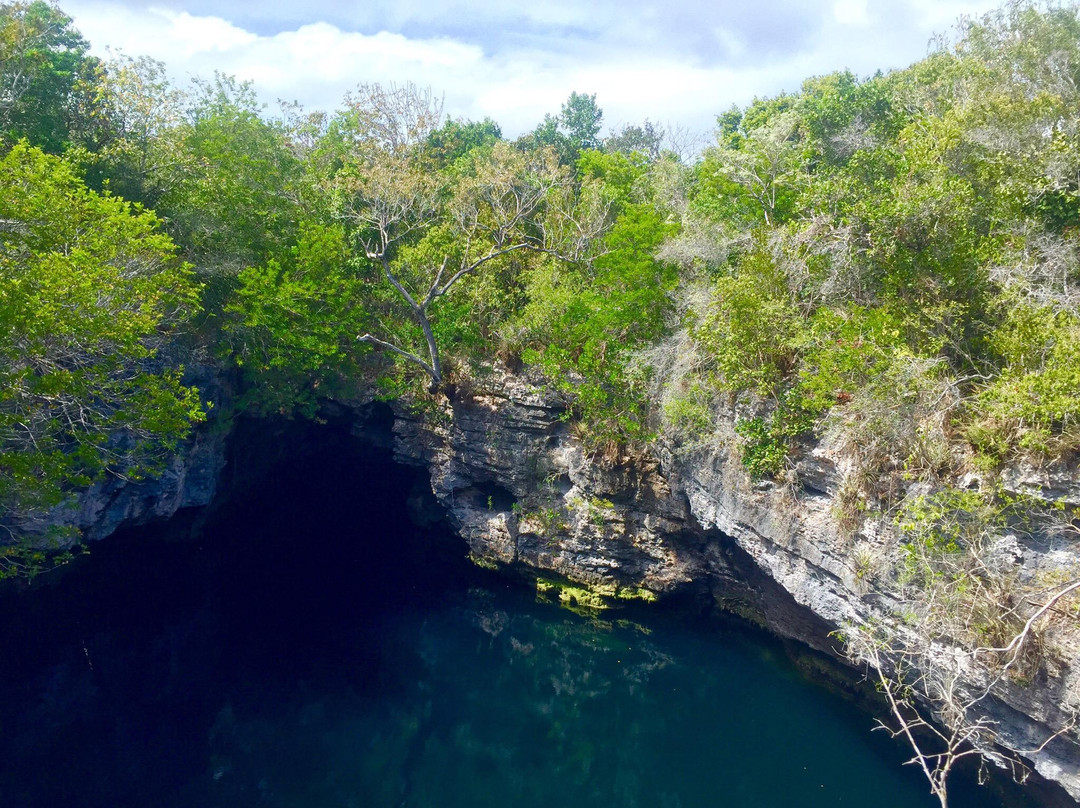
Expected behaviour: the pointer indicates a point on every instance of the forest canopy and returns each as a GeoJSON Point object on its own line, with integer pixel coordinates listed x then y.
{"type": "Point", "coordinates": [890, 261]}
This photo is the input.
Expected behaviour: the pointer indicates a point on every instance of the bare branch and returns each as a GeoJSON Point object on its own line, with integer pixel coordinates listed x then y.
{"type": "Point", "coordinates": [397, 285]}
{"type": "Point", "coordinates": [1013, 647]}
{"type": "Point", "coordinates": [475, 265]}
{"type": "Point", "coordinates": [402, 353]}
{"type": "Point", "coordinates": [509, 202]}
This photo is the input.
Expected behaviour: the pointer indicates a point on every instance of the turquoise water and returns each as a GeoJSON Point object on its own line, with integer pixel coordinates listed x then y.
{"type": "Point", "coordinates": [497, 701]}
{"type": "Point", "coordinates": [310, 650]}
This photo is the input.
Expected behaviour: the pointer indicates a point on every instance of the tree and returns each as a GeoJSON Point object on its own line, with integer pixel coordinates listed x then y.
{"type": "Point", "coordinates": [139, 120]}
{"type": "Point", "coordinates": [583, 321]}
{"type": "Point", "coordinates": [293, 322]}
{"type": "Point", "coordinates": [456, 138]}
{"type": "Point", "coordinates": [575, 129]}
{"type": "Point", "coordinates": [581, 118]}
{"type": "Point", "coordinates": [90, 290]}
{"type": "Point", "coordinates": [840, 115]}
{"type": "Point", "coordinates": [646, 139]}
{"type": "Point", "coordinates": [763, 162]}
{"type": "Point", "coordinates": [427, 230]}
{"type": "Point", "coordinates": [932, 677]}
{"type": "Point", "coordinates": [968, 627]}
{"type": "Point", "coordinates": [45, 75]}
{"type": "Point", "coordinates": [231, 192]}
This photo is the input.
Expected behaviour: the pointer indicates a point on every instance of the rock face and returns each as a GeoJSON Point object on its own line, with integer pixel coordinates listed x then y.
{"type": "Point", "coordinates": [518, 486]}
{"type": "Point", "coordinates": [189, 479]}
{"type": "Point", "coordinates": [516, 483]}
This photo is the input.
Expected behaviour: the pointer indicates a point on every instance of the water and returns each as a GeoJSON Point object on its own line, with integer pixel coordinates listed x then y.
{"type": "Point", "coordinates": [288, 662]}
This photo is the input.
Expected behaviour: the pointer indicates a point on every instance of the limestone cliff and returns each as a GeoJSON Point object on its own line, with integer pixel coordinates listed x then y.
{"type": "Point", "coordinates": [519, 487]}
{"type": "Point", "coordinates": [515, 481]}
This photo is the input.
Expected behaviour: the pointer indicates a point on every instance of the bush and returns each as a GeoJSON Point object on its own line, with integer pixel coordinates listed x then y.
{"type": "Point", "coordinates": [1031, 407]}
{"type": "Point", "coordinates": [766, 441]}
{"type": "Point", "coordinates": [751, 329]}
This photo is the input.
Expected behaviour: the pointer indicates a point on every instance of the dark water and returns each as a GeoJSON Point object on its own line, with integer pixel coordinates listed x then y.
{"type": "Point", "coordinates": [314, 650]}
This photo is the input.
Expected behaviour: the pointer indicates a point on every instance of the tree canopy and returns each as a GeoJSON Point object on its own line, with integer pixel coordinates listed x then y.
{"type": "Point", "coordinates": [89, 288]}
{"type": "Point", "coordinates": [45, 74]}
{"type": "Point", "coordinates": [913, 231]}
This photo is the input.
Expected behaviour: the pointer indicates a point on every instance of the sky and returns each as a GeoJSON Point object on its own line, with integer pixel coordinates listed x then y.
{"type": "Point", "coordinates": [678, 66]}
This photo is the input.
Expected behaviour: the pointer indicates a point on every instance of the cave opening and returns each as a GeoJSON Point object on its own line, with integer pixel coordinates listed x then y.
{"type": "Point", "coordinates": [131, 651]}
{"type": "Point", "coordinates": [304, 642]}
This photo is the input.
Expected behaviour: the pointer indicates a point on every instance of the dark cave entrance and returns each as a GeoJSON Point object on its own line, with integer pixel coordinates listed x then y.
{"type": "Point", "coordinates": [126, 654]}
{"type": "Point", "coordinates": [282, 588]}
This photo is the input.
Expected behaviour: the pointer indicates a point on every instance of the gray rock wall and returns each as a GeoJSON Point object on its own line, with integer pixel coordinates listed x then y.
{"type": "Point", "coordinates": [519, 487]}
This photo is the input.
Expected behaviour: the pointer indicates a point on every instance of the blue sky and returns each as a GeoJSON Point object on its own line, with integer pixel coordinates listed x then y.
{"type": "Point", "coordinates": [679, 64]}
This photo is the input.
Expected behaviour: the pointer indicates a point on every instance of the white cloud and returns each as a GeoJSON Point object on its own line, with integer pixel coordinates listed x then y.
{"type": "Point", "coordinates": [198, 35]}
{"type": "Point", "coordinates": [851, 12]}
{"type": "Point", "coordinates": [178, 35]}
{"type": "Point", "coordinates": [941, 16]}
{"type": "Point", "coordinates": [515, 65]}
{"type": "Point", "coordinates": [322, 56]}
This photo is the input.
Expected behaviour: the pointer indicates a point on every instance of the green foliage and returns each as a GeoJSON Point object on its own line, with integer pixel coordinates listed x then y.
{"type": "Point", "coordinates": [881, 239]}
{"type": "Point", "coordinates": [581, 118]}
{"type": "Point", "coordinates": [18, 561]}
{"type": "Point", "coordinates": [844, 350]}
{"type": "Point", "coordinates": [750, 330]}
{"type": "Point", "coordinates": [645, 139]}
{"type": "Point", "coordinates": [137, 126]}
{"type": "Point", "coordinates": [46, 77]}
{"type": "Point", "coordinates": [443, 249]}
{"type": "Point", "coordinates": [1032, 405]}
{"type": "Point", "coordinates": [574, 130]}
{"type": "Point", "coordinates": [89, 287]}
{"type": "Point", "coordinates": [942, 530]}
{"type": "Point", "coordinates": [687, 415]}
{"type": "Point", "coordinates": [766, 441]}
{"type": "Point", "coordinates": [840, 115]}
{"type": "Point", "coordinates": [296, 322]}
{"type": "Point", "coordinates": [764, 452]}
{"type": "Point", "coordinates": [757, 162]}
{"type": "Point", "coordinates": [455, 139]}
{"type": "Point", "coordinates": [582, 323]}
{"type": "Point", "coordinates": [234, 196]}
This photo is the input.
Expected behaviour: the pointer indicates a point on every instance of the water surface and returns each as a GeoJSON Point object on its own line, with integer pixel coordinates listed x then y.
{"type": "Point", "coordinates": [313, 649]}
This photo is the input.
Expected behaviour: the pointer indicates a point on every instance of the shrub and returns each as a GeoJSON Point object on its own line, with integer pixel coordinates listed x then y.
{"type": "Point", "coordinates": [751, 329]}
{"type": "Point", "coordinates": [1031, 407]}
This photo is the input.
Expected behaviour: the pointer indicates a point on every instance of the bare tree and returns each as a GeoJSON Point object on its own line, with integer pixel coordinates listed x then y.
{"type": "Point", "coordinates": [919, 677]}
{"type": "Point", "coordinates": [394, 199]}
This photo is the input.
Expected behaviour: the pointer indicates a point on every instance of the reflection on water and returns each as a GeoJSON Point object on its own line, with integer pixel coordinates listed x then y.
{"type": "Point", "coordinates": [497, 701]}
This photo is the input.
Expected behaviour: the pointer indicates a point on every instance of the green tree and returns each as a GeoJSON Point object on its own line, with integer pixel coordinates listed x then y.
{"type": "Point", "coordinates": [584, 320]}
{"type": "Point", "coordinates": [455, 139]}
{"type": "Point", "coordinates": [139, 124]}
{"type": "Point", "coordinates": [45, 76]}
{"type": "Point", "coordinates": [581, 119]}
{"type": "Point", "coordinates": [575, 129]}
{"type": "Point", "coordinates": [764, 163]}
{"type": "Point", "coordinates": [425, 230]}
{"type": "Point", "coordinates": [294, 322]}
{"type": "Point", "coordinates": [90, 289]}
{"type": "Point", "coordinates": [232, 197]}
{"type": "Point", "coordinates": [646, 139]}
